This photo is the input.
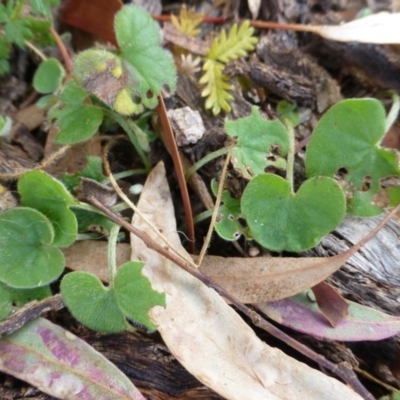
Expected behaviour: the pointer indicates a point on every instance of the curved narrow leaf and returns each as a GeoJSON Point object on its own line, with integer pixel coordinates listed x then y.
{"type": "Point", "coordinates": [27, 256]}
{"type": "Point", "coordinates": [62, 365]}
{"type": "Point", "coordinates": [302, 314]}
{"type": "Point", "coordinates": [44, 193]}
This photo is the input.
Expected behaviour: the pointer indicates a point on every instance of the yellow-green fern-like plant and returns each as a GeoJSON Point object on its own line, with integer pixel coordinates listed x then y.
{"type": "Point", "coordinates": [226, 47]}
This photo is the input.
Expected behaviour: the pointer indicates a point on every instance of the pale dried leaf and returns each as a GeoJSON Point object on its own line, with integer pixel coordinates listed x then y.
{"type": "Point", "coordinates": [380, 28]}
{"type": "Point", "coordinates": [205, 334]}
{"type": "Point", "coordinates": [251, 280]}
{"type": "Point", "coordinates": [254, 7]}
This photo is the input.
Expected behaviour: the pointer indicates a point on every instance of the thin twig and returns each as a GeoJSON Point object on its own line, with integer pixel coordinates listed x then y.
{"type": "Point", "coordinates": [63, 50]}
{"type": "Point", "coordinates": [342, 371]}
{"type": "Point", "coordinates": [216, 209]}
{"type": "Point", "coordinates": [126, 199]}
{"type": "Point", "coordinates": [29, 312]}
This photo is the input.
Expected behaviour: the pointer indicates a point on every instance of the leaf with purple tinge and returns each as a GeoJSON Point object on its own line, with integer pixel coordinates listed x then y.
{"type": "Point", "coordinates": [62, 365]}
{"type": "Point", "coordinates": [301, 313]}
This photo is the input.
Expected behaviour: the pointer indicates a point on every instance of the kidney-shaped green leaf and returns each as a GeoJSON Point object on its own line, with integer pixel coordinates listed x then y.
{"type": "Point", "coordinates": [91, 303]}
{"type": "Point", "coordinates": [260, 144]}
{"type": "Point", "coordinates": [280, 220]}
{"type": "Point", "coordinates": [44, 193]}
{"type": "Point", "coordinates": [347, 138]}
{"type": "Point", "coordinates": [135, 295]}
{"type": "Point", "coordinates": [62, 365]}
{"type": "Point", "coordinates": [27, 256]}
{"type": "Point", "coordinates": [48, 77]}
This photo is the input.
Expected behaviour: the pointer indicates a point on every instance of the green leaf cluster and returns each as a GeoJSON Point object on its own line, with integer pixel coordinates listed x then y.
{"type": "Point", "coordinates": [16, 28]}
{"type": "Point", "coordinates": [226, 47]}
{"type": "Point", "coordinates": [31, 259]}
{"type": "Point", "coordinates": [345, 166]}
{"type": "Point", "coordinates": [31, 235]}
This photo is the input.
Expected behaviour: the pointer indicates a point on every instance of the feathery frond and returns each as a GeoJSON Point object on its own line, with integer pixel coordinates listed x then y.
{"type": "Point", "coordinates": [188, 21]}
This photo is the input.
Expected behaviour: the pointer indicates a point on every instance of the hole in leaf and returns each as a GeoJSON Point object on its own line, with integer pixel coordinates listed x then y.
{"type": "Point", "coordinates": [136, 99]}
{"type": "Point", "coordinates": [242, 222]}
{"type": "Point", "coordinates": [271, 157]}
{"type": "Point", "coordinates": [366, 184]}
{"type": "Point", "coordinates": [342, 172]}
{"type": "Point", "coordinates": [231, 217]}
{"type": "Point", "coordinates": [166, 88]}
{"type": "Point", "coordinates": [237, 235]}
{"type": "Point", "coordinates": [149, 94]}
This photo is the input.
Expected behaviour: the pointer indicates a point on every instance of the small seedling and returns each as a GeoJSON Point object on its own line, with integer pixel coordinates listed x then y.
{"type": "Point", "coordinates": [237, 43]}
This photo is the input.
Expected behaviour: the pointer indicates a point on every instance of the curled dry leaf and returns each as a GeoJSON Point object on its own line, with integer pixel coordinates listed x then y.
{"type": "Point", "coordinates": [205, 334]}
{"type": "Point", "coordinates": [380, 28]}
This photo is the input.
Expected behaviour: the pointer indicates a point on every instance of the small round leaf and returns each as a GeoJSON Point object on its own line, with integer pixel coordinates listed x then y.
{"type": "Point", "coordinates": [44, 193]}
{"type": "Point", "coordinates": [48, 77]}
{"type": "Point", "coordinates": [27, 258]}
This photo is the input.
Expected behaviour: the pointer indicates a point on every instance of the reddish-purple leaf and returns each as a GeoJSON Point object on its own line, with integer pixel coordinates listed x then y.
{"type": "Point", "coordinates": [330, 302]}
{"type": "Point", "coordinates": [62, 365]}
{"type": "Point", "coordinates": [302, 314]}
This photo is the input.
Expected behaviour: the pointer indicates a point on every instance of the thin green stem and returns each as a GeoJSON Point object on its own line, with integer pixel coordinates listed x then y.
{"type": "Point", "coordinates": [394, 111]}
{"type": "Point", "coordinates": [35, 50]}
{"type": "Point", "coordinates": [209, 157]}
{"type": "Point", "coordinates": [125, 174]}
{"type": "Point", "coordinates": [112, 246]}
{"type": "Point", "coordinates": [290, 156]}
{"type": "Point", "coordinates": [127, 128]}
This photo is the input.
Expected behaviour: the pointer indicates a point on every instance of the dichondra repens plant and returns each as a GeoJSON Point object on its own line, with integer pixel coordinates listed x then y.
{"type": "Point", "coordinates": [345, 139]}
{"type": "Point", "coordinates": [49, 216]}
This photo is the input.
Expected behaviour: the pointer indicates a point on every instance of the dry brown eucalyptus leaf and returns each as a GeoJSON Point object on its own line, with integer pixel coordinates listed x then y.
{"type": "Point", "coordinates": [207, 336]}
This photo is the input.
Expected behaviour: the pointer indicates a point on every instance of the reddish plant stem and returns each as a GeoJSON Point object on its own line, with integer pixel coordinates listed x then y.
{"type": "Point", "coordinates": [63, 50]}
{"type": "Point", "coordinates": [254, 23]}
{"type": "Point", "coordinates": [342, 371]}
{"type": "Point", "coordinates": [169, 141]}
